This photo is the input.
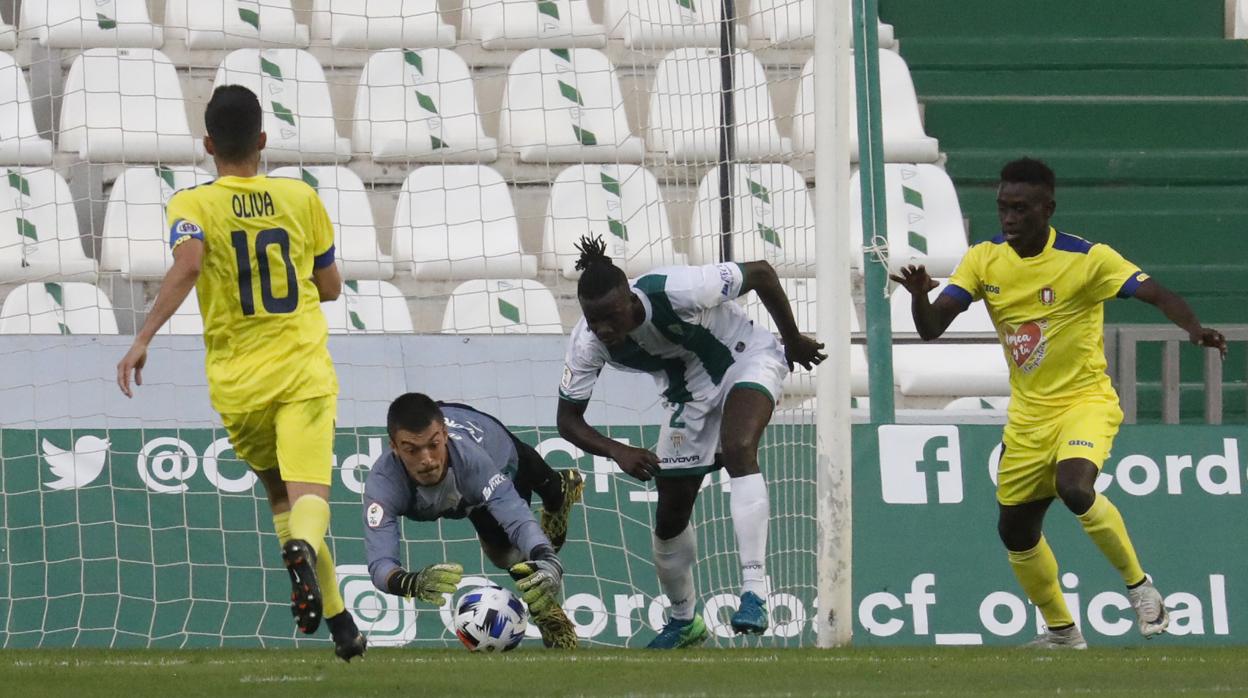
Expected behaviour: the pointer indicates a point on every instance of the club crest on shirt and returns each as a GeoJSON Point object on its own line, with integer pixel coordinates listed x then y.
{"type": "Point", "coordinates": [1047, 295]}
{"type": "Point", "coordinates": [678, 440]}
{"type": "Point", "coordinates": [374, 515]}
{"type": "Point", "coordinates": [1027, 344]}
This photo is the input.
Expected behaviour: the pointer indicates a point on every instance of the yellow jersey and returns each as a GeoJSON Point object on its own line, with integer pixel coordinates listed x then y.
{"type": "Point", "coordinates": [1049, 316]}
{"type": "Point", "coordinates": [265, 334]}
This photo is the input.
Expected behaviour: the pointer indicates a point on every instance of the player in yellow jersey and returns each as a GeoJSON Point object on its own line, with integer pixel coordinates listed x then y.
{"type": "Point", "coordinates": [260, 253]}
{"type": "Point", "coordinates": [1044, 290]}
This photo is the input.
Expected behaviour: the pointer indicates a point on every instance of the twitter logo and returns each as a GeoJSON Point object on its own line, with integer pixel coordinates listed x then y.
{"type": "Point", "coordinates": [79, 467]}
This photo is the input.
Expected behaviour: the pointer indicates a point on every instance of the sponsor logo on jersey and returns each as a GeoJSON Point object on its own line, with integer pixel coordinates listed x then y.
{"type": "Point", "coordinates": [492, 485]}
{"type": "Point", "coordinates": [680, 460]}
{"type": "Point", "coordinates": [1027, 344]}
{"type": "Point", "coordinates": [375, 514]}
{"type": "Point", "coordinates": [1047, 296]}
{"type": "Point", "coordinates": [992, 288]}
{"type": "Point", "coordinates": [1081, 442]}
{"type": "Point", "coordinates": [725, 275]}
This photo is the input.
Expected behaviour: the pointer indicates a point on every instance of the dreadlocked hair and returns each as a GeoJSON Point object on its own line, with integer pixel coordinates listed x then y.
{"type": "Point", "coordinates": [598, 274]}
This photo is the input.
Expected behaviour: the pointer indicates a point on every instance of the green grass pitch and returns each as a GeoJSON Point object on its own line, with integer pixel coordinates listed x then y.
{"type": "Point", "coordinates": [711, 673]}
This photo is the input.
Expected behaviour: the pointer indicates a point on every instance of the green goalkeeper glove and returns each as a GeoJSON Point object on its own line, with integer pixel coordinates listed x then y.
{"type": "Point", "coordinates": [428, 585]}
{"type": "Point", "coordinates": [540, 583]}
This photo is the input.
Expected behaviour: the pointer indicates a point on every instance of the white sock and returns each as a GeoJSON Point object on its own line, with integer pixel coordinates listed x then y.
{"type": "Point", "coordinates": [673, 563]}
{"type": "Point", "coordinates": [750, 512]}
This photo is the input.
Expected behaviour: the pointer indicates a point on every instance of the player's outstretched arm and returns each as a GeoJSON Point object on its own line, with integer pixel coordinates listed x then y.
{"type": "Point", "coordinates": [638, 462]}
{"type": "Point", "coordinates": [188, 256]}
{"type": "Point", "coordinates": [1180, 313]}
{"type": "Point", "coordinates": [429, 585]}
{"type": "Point", "coordinates": [931, 319]}
{"type": "Point", "coordinates": [761, 278]}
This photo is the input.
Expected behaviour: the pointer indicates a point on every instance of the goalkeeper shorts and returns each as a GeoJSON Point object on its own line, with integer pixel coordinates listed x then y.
{"type": "Point", "coordinates": [295, 437]}
{"type": "Point", "coordinates": [1028, 470]}
{"type": "Point", "coordinates": [689, 439]}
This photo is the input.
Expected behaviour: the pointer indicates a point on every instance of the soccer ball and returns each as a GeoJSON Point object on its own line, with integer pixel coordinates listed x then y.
{"type": "Point", "coordinates": [490, 619]}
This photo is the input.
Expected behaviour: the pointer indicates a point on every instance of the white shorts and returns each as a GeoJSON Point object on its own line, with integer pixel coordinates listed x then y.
{"type": "Point", "coordinates": [689, 439]}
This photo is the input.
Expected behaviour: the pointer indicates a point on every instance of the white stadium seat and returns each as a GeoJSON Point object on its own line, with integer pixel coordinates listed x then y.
{"type": "Point", "coordinates": [772, 219]}
{"type": "Point", "coordinates": [378, 24]}
{"type": "Point", "coordinates": [8, 36]}
{"type": "Point", "coordinates": [565, 105]}
{"type": "Point", "coordinates": [501, 306]}
{"type": "Point", "coordinates": [20, 143]}
{"type": "Point", "coordinates": [801, 293]}
{"type": "Point", "coordinates": [298, 114]}
{"type": "Point", "coordinates": [186, 319]}
{"type": "Point", "coordinates": [685, 108]}
{"type": "Point", "coordinates": [125, 105]}
{"type": "Point", "coordinates": [904, 137]}
{"type": "Point", "coordinates": [792, 23]}
{"type": "Point", "coordinates": [234, 23]}
{"type": "Point", "coordinates": [1241, 19]}
{"type": "Point", "coordinates": [458, 222]}
{"type": "Point", "coordinates": [925, 224]}
{"type": "Point", "coordinates": [368, 307]}
{"type": "Point", "coordinates": [978, 404]}
{"type": "Point", "coordinates": [419, 105]}
{"type": "Point", "coordinates": [502, 24]}
{"type": "Point", "coordinates": [948, 369]}
{"type": "Point", "coordinates": [355, 234]}
{"type": "Point", "coordinates": [39, 229]}
{"type": "Point", "coordinates": [623, 204]}
{"type": "Point", "coordinates": [79, 24]}
{"type": "Point", "coordinates": [57, 308]}
{"type": "Point", "coordinates": [136, 237]}
{"type": "Point", "coordinates": [662, 24]}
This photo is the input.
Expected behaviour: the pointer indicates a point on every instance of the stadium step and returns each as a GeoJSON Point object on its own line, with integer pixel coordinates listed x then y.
{"type": "Point", "coordinates": [1054, 18]}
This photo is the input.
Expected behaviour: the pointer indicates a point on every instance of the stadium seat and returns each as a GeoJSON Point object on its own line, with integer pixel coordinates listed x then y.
{"type": "Point", "coordinates": [977, 404]}
{"type": "Point", "coordinates": [136, 237]}
{"type": "Point", "coordinates": [378, 24]}
{"type": "Point", "coordinates": [79, 24]}
{"type": "Point", "coordinates": [20, 143]}
{"type": "Point", "coordinates": [39, 229]}
{"type": "Point", "coordinates": [925, 223]}
{"type": "Point", "coordinates": [791, 23]}
{"type": "Point", "coordinates": [685, 109]}
{"type": "Point", "coordinates": [801, 293]}
{"type": "Point", "coordinates": [501, 306]}
{"type": "Point", "coordinates": [458, 222]}
{"type": "Point", "coordinates": [1241, 19]}
{"type": "Point", "coordinates": [355, 234]}
{"type": "Point", "coordinates": [772, 219]}
{"type": "Point", "coordinates": [565, 105]}
{"type": "Point", "coordinates": [298, 114]}
{"type": "Point", "coordinates": [368, 307]}
{"type": "Point", "coordinates": [234, 23]}
{"type": "Point", "coordinates": [665, 24]}
{"type": "Point", "coordinates": [948, 369]}
{"type": "Point", "coordinates": [504, 24]}
{"type": "Point", "coordinates": [125, 105]}
{"type": "Point", "coordinates": [623, 204]}
{"type": "Point", "coordinates": [57, 308]}
{"type": "Point", "coordinates": [419, 105]}
{"type": "Point", "coordinates": [8, 36]}
{"type": "Point", "coordinates": [904, 138]}
{"type": "Point", "coordinates": [186, 319]}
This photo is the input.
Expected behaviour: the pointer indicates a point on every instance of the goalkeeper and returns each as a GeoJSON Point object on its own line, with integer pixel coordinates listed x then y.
{"type": "Point", "coordinates": [450, 461]}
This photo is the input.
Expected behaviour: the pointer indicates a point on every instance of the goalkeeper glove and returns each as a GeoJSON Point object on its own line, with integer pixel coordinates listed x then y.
{"type": "Point", "coordinates": [539, 583]}
{"type": "Point", "coordinates": [429, 584]}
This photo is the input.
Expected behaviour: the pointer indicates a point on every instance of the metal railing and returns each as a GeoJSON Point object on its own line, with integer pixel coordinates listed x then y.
{"type": "Point", "coordinates": [1121, 349]}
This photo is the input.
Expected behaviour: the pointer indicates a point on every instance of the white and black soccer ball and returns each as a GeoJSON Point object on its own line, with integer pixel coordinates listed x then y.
{"type": "Point", "coordinates": [490, 619]}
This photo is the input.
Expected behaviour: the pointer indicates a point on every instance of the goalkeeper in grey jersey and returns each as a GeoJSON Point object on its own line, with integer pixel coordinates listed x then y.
{"type": "Point", "coordinates": [450, 461]}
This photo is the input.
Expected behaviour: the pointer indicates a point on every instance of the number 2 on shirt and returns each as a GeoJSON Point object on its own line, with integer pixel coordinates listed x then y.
{"type": "Point", "coordinates": [265, 238]}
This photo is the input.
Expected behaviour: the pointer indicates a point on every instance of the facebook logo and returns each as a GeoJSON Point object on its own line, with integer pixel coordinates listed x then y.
{"type": "Point", "coordinates": [920, 464]}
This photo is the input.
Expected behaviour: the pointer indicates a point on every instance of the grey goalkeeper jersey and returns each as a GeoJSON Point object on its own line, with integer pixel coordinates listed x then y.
{"type": "Point", "coordinates": [479, 449]}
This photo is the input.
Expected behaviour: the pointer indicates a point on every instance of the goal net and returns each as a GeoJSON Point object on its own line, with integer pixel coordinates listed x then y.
{"type": "Point", "coordinates": [460, 155]}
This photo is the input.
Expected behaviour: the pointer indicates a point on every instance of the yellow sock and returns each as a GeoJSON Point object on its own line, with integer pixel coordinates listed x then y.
{"type": "Point", "coordinates": [309, 519]}
{"type": "Point", "coordinates": [281, 524]}
{"type": "Point", "coordinates": [1036, 570]}
{"type": "Point", "coordinates": [327, 577]}
{"type": "Point", "coordinates": [1105, 527]}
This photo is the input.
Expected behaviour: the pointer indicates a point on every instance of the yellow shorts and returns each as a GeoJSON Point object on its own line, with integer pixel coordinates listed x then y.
{"type": "Point", "coordinates": [295, 437]}
{"type": "Point", "coordinates": [1028, 467]}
